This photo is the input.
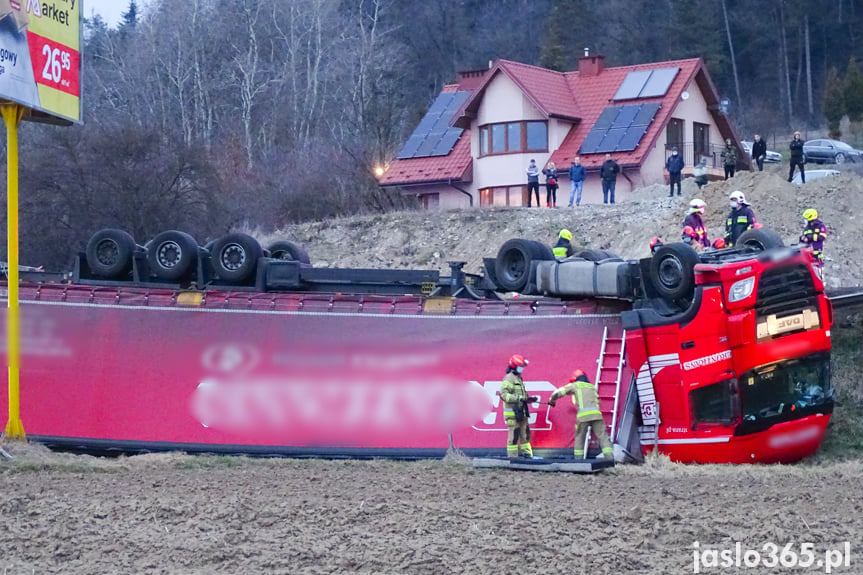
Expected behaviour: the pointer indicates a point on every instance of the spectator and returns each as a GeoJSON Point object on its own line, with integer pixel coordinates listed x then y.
{"type": "Point", "coordinates": [576, 181]}
{"type": "Point", "coordinates": [729, 159]}
{"type": "Point", "coordinates": [532, 182]}
{"type": "Point", "coordinates": [759, 152]}
{"type": "Point", "coordinates": [796, 146]}
{"type": "Point", "coordinates": [550, 172]}
{"type": "Point", "coordinates": [694, 220]}
{"type": "Point", "coordinates": [674, 165]}
{"type": "Point", "coordinates": [700, 172]}
{"type": "Point", "coordinates": [608, 173]}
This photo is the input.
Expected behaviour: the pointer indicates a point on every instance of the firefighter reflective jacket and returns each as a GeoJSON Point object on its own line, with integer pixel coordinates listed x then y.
{"type": "Point", "coordinates": [814, 236]}
{"type": "Point", "coordinates": [739, 220]}
{"type": "Point", "coordinates": [584, 396]}
{"type": "Point", "coordinates": [696, 223]}
{"type": "Point", "coordinates": [512, 393]}
{"type": "Point", "coordinates": [563, 248]}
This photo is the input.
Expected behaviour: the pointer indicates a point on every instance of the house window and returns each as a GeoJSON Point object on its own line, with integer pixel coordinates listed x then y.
{"type": "Point", "coordinates": [701, 140]}
{"type": "Point", "coordinates": [513, 137]}
{"type": "Point", "coordinates": [430, 201]}
{"type": "Point", "coordinates": [502, 196]}
{"type": "Point", "coordinates": [674, 133]}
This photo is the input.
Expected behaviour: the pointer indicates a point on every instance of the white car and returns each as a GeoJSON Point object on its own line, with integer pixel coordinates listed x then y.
{"type": "Point", "coordinates": [771, 157]}
{"type": "Point", "coordinates": [814, 175]}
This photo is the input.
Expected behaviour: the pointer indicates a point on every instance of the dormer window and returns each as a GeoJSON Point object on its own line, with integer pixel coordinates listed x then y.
{"type": "Point", "coordinates": [513, 138]}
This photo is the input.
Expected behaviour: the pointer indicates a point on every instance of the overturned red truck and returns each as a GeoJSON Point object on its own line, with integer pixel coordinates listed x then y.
{"type": "Point", "coordinates": [722, 356]}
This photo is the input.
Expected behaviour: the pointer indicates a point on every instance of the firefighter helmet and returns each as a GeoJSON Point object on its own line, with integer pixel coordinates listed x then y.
{"type": "Point", "coordinates": [810, 215]}
{"type": "Point", "coordinates": [737, 197]}
{"type": "Point", "coordinates": [696, 205]}
{"type": "Point", "coordinates": [757, 225]}
{"type": "Point", "coordinates": [688, 234]}
{"type": "Point", "coordinates": [719, 243]}
{"type": "Point", "coordinates": [565, 234]}
{"type": "Point", "coordinates": [517, 360]}
{"type": "Point", "coordinates": [655, 243]}
{"type": "Point", "coordinates": [578, 375]}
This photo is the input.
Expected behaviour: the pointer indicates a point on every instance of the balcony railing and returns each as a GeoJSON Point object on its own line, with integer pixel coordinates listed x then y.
{"type": "Point", "coordinates": [713, 154]}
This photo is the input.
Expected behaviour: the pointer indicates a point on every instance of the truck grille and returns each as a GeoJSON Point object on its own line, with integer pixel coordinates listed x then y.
{"type": "Point", "coordinates": [785, 289]}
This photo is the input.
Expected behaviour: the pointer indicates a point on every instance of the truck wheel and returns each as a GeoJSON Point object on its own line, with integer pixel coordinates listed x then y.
{"type": "Point", "coordinates": [235, 257]}
{"type": "Point", "coordinates": [512, 265]}
{"type": "Point", "coordinates": [109, 253]}
{"type": "Point", "coordinates": [288, 251]}
{"type": "Point", "coordinates": [592, 255]}
{"type": "Point", "coordinates": [171, 255]}
{"type": "Point", "coordinates": [542, 251]}
{"type": "Point", "coordinates": [760, 239]}
{"type": "Point", "coordinates": [672, 270]}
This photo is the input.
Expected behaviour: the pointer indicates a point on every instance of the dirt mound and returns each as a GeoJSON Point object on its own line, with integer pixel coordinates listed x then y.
{"type": "Point", "coordinates": [427, 240]}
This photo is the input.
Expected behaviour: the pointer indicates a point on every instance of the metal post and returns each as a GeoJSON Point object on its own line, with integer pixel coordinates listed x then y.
{"type": "Point", "coordinates": [12, 114]}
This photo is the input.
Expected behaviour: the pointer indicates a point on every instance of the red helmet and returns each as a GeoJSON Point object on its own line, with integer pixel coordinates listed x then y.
{"type": "Point", "coordinates": [757, 225]}
{"type": "Point", "coordinates": [517, 361]}
{"type": "Point", "coordinates": [689, 232]}
{"type": "Point", "coordinates": [719, 243]}
{"type": "Point", "coordinates": [578, 374]}
{"type": "Point", "coordinates": [655, 243]}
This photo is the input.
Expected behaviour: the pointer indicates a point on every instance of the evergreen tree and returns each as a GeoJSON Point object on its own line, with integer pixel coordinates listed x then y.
{"type": "Point", "coordinates": [130, 17]}
{"type": "Point", "coordinates": [833, 103]}
{"type": "Point", "coordinates": [852, 89]}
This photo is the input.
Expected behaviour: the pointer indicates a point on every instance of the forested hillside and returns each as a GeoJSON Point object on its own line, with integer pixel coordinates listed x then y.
{"type": "Point", "coordinates": [203, 115]}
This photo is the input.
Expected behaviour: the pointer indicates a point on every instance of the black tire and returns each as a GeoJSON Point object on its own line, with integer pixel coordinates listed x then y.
{"type": "Point", "coordinates": [672, 270]}
{"type": "Point", "coordinates": [839, 158]}
{"type": "Point", "coordinates": [288, 251]}
{"type": "Point", "coordinates": [234, 257]}
{"type": "Point", "coordinates": [172, 255]}
{"type": "Point", "coordinates": [109, 253]}
{"type": "Point", "coordinates": [512, 265]}
{"type": "Point", "coordinates": [542, 252]}
{"type": "Point", "coordinates": [592, 255]}
{"type": "Point", "coordinates": [759, 239]}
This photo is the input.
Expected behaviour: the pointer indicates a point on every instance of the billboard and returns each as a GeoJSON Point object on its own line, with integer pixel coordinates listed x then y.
{"type": "Point", "coordinates": [40, 62]}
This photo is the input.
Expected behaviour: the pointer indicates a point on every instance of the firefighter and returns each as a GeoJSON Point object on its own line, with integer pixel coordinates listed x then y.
{"type": "Point", "coordinates": [589, 416]}
{"type": "Point", "coordinates": [690, 238]}
{"type": "Point", "coordinates": [740, 219]}
{"type": "Point", "coordinates": [694, 219]}
{"type": "Point", "coordinates": [814, 235]}
{"type": "Point", "coordinates": [563, 247]}
{"type": "Point", "coordinates": [655, 244]}
{"type": "Point", "coordinates": [515, 411]}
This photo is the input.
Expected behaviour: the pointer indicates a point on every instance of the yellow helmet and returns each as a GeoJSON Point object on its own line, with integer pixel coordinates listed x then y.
{"type": "Point", "coordinates": [565, 234]}
{"type": "Point", "coordinates": [810, 215]}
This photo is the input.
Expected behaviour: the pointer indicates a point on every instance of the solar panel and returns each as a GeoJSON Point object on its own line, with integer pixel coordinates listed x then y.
{"type": "Point", "coordinates": [427, 147]}
{"type": "Point", "coordinates": [658, 83]}
{"type": "Point", "coordinates": [591, 141]}
{"type": "Point", "coordinates": [457, 100]}
{"type": "Point", "coordinates": [411, 146]}
{"type": "Point", "coordinates": [646, 114]}
{"type": "Point", "coordinates": [611, 139]}
{"type": "Point", "coordinates": [606, 118]}
{"type": "Point", "coordinates": [446, 143]}
{"type": "Point", "coordinates": [625, 115]}
{"type": "Point", "coordinates": [632, 85]}
{"type": "Point", "coordinates": [439, 105]}
{"type": "Point", "coordinates": [631, 138]}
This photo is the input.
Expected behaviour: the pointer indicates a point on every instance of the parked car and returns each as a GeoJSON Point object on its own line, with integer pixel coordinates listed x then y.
{"type": "Point", "coordinates": [833, 151]}
{"type": "Point", "coordinates": [771, 157]}
{"type": "Point", "coordinates": [814, 175]}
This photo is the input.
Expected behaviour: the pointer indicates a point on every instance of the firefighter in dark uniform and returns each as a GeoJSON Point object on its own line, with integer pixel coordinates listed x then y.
{"type": "Point", "coordinates": [740, 219]}
{"type": "Point", "coordinates": [589, 416]}
{"type": "Point", "coordinates": [814, 235]}
{"type": "Point", "coordinates": [563, 247]}
{"type": "Point", "coordinates": [515, 411]}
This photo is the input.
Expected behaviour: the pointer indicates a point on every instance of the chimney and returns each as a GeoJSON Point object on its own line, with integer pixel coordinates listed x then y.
{"type": "Point", "coordinates": [590, 65]}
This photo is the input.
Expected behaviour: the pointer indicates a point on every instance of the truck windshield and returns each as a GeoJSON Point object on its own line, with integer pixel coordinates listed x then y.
{"type": "Point", "coordinates": [786, 390]}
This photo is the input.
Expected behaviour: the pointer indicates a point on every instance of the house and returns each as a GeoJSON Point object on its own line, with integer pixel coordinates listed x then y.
{"type": "Point", "coordinates": [475, 142]}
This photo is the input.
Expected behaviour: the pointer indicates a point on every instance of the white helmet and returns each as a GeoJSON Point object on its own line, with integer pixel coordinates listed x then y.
{"type": "Point", "coordinates": [696, 205]}
{"type": "Point", "coordinates": [737, 197]}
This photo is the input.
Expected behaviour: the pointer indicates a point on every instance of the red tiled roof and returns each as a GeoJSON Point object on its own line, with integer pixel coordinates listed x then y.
{"type": "Point", "coordinates": [453, 166]}
{"type": "Point", "coordinates": [596, 92]}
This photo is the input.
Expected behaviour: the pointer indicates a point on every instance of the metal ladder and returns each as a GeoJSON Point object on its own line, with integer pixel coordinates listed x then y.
{"type": "Point", "coordinates": [609, 370]}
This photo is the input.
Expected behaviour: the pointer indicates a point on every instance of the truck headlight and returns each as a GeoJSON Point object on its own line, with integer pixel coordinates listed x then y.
{"type": "Point", "coordinates": [741, 290]}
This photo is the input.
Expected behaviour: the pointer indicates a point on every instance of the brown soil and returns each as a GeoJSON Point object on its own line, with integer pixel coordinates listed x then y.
{"type": "Point", "coordinates": [184, 514]}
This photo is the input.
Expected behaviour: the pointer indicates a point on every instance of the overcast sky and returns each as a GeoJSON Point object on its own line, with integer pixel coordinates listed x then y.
{"type": "Point", "coordinates": [109, 10]}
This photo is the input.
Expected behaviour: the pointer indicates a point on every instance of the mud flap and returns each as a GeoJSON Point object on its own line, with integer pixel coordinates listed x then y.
{"type": "Point", "coordinates": [627, 444]}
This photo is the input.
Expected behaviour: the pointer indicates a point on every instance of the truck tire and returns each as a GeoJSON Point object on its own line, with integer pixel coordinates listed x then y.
{"type": "Point", "coordinates": [288, 251]}
{"type": "Point", "coordinates": [592, 255]}
{"type": "Point", "coordinates": [672, 270]}
{"type": "Point", "coordinates": [512, 265]}
{"type": "Point", "coordinates": [543, 251]}
{"type": "Point", "coordinates": [109, 253]}
{"type": "Point", "coordinates": [172, 255]}
{"type": "Point", "coordinates": [759, 239]}
{"type": "Point", "coordinates": [234, 257]}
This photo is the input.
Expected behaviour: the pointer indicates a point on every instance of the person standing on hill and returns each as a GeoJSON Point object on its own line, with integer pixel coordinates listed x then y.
{"type": "Point", "coordinates": [699, 171]}
{"type": "Point", "coordinates": [588, 417]}
{"type": "Point", "coordinates": [674, 165]}
{"type": "Point", "coordinates": [796, 147]}
{"type": "Point", "coordinates": [576, 181]}
{"type": "Point", "coordinates": [759, 152]}
{"type": "Point", "coordinates": [729, 159]}
{"type": "Point", "coordinates": [608, 173]}
{"type": "Point", "coordinates": [696, 222]}
{"type": "Point", "coordinates": [550, 172]}
{"type": "Point", "coordinates": [532, 182]}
